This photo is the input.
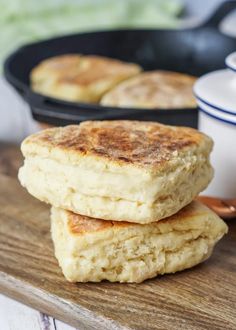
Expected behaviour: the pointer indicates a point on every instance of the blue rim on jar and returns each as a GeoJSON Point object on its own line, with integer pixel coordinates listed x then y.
{"type": "Point", "coordinates": [216, 92]}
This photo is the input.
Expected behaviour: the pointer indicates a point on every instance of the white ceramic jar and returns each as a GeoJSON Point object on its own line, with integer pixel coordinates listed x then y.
{"type": "Point", "coordinates": [216, 98]}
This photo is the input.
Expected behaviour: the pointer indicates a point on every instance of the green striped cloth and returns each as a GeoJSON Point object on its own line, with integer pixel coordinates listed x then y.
{"type": "Point", "coordinates": [23, 21]}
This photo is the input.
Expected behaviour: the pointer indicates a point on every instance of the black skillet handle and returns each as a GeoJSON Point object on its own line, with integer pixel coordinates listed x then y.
{"type": "Point", "coordinates": [220, 13]}
{"type": "Point", "coordinates": [52, 109]}
{"type": "Point", "coordinates": [58, 112]}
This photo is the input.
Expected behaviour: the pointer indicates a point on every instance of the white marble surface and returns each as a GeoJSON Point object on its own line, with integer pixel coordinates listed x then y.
{"type": "Point", "coordinates": [16, 121]}
{"type": "Point", "coordinates": [16, 316]}
{"type": "Point", "coordinates": [15, 124]}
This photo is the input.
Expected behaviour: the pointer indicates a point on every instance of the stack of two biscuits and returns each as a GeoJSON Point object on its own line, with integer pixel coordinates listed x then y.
{"type": "Point", "coordinates": [122, 198]}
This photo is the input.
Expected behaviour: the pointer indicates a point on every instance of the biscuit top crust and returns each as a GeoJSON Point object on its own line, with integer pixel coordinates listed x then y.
{"type": "Point", "coordinates": [144, 144]}
{"type": "Point", "coordinates": [152, 89]}
{"type": "Point", "coordinates": [185, 219]}
{"type": "Point", "coordinates": [82, 70]}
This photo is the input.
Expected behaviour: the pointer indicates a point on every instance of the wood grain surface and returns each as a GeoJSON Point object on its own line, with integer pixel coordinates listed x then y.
{"type": "Point", "coordinates": [203, 297]}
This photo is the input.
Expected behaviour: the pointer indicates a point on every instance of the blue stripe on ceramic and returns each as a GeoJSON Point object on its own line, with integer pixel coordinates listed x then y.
{"type": "Point", "coordinates": [230, 61]}
{"type": "Point", "coordinates": [214, 106]}
{"type": "Point", "coordinates": [231, 68]}
{"type": "Point", "coordinates": [217, 118]}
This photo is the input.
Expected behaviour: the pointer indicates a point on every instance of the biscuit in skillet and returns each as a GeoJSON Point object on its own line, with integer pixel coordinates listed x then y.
{"type": "Point", "coordinates": [154, 89]}
{"type": "Point", "coordinates": [82, 78]}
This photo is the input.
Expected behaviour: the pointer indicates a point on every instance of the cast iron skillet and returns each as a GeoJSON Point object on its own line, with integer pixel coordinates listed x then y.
{"type": "Point", "coordinates": [194, 51]}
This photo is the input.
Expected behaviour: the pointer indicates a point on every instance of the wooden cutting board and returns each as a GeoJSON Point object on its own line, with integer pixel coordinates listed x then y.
{"type": "Point", "coordinates": [200, 298]}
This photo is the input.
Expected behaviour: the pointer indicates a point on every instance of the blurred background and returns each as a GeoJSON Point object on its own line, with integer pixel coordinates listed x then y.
{"type": "Point", "coordinates": [24, 21]}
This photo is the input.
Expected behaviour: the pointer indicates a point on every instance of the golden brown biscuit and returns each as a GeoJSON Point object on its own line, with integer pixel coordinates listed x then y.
{"type": "Point", "coordinates": [95, 250]}
{"type": "Point", "coordinates": [154, 89]}
{"type": "Point", "coordinates": [117, 170]}
{"type": "Point", "coordinates": [79, 78]}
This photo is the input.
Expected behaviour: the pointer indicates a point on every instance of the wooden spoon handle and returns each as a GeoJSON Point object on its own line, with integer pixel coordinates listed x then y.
{"type": "Point", "coordinates": [224, 208]}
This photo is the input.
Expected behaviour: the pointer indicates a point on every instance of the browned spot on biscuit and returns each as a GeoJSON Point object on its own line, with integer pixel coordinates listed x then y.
{"type": "Point", "coordinates": [141, 143]}
{"type": "Point", "coordinates": [79, 224]}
